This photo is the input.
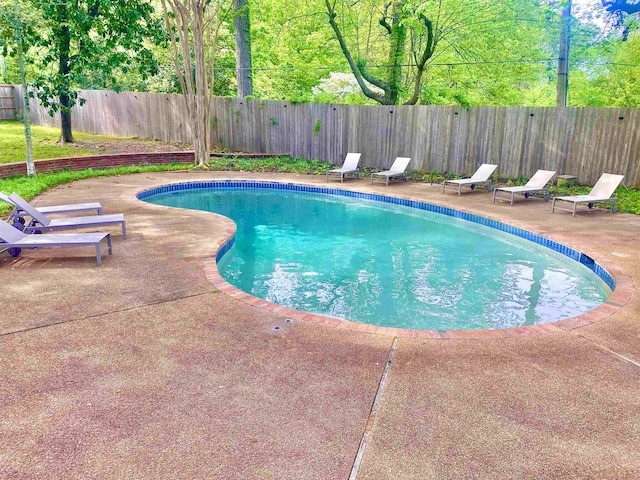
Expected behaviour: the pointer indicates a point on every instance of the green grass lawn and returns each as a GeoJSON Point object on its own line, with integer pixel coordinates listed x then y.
{"type": "Point", "coordinates": [12, 143]}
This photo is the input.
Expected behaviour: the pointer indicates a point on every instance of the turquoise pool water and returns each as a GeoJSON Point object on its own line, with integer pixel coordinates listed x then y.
{"type": "Point", "coordinates": [389, 265]}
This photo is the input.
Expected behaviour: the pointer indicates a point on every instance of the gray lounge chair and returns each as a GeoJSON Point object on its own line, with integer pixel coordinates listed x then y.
{"type": "Point", "coordinates": [482, 176]}
{"type": "Point", "coordinates": [18, 214]}
{"type": "Point", "coordinates": [40, 222]}
{"type": "Point", "coordinates": [602, 192]}
{"type": "Point", "coordinates": [536, 185]}
{"type": "Point", "coordinates": [349, 167]}
{"type": "Point", "coordinates": [397, 170]}
{"type": "Point", "coordinates": [15, 240]}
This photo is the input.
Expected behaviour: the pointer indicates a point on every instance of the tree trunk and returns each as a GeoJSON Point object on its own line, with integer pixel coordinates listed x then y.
{"type": "Point", "coordinates": [202, 126]}
{"type": "Point", "coordinates": [66, 135]}
{"type": "Point", "coordinates": [26, 111]}
{"type": "Point", "coordinates": [563, 58]}
{"type": "Point", "coordinates": [357, 70]}
{"type": "Point", "coordinates": [397, 30]}
{"type": "Point", "coordinates": [189, 20]}
{"type": "Point", "coordinates": [396, 53]}
{"type": "Point", "coordinates": [243, 47]}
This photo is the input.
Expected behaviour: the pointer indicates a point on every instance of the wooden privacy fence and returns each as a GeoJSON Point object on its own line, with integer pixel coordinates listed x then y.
{"type": "Point", "coordinates": [7, 102]}
{"type": "Point", "coordinates": [580, 141]}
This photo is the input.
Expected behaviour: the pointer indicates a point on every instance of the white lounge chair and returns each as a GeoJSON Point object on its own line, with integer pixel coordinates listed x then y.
{"type": "Point", "coordinates": [14, 240]}
{"type": "Point", "coordinates": [602, 192]}
{"type": "Point", "coordinates": [40, 222]}
{"type": "Point", "coordinates": [482, 176]}
{"type": "Point", "coordinates": [397, 170]}
{"type": "Point", "coordinates": [349, 167]}
{"type": "Point", "coordinates": [536, 185]}
{"type": "Point", "coordinates": [18, 214]}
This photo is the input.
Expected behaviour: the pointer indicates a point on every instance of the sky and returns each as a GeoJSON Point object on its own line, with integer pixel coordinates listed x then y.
{"type": "Point", "coordinates": [580, 7]}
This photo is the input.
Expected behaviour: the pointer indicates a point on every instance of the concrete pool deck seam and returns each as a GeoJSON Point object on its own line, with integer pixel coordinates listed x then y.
{"type": "Point", "coordinates": [102, 314]}
{"type": "Point", "coordinates": [616, 301]}
{"type": "Point", "coordinates": [366, 433]}
{"type": "Point", "coordinates": [615, 354]}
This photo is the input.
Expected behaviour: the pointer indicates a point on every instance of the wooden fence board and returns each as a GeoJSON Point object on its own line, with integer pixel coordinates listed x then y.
{"type": "Point", "coordinates": [7, 102]}
{"type": "Point", "coordinates": [582, 141]}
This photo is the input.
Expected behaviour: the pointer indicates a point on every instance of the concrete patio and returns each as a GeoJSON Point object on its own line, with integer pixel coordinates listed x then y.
{"type": "Point", "coordinates": [142, 369]}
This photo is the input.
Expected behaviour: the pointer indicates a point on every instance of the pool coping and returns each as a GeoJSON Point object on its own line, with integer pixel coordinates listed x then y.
{"type": "Point", "coordinates": [620, 283]}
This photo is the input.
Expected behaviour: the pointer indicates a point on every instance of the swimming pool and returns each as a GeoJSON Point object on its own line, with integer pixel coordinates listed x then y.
{"type": "Point", "coordinates": [390, 262]}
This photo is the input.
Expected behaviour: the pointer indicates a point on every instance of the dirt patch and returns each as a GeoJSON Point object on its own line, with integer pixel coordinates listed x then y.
{"type": "Point", "coordinates": [129, 145]}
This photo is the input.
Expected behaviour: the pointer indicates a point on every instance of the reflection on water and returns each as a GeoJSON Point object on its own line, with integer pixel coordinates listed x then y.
{"type": "Point", "coordinates": [390, 265]}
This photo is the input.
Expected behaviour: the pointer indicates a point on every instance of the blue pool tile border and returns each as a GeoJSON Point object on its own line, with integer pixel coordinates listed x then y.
{"type": "Point", "coordinates": [575, 255]}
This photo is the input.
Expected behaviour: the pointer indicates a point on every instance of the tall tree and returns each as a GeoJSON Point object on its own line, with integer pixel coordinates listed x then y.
{"type": "Point", "coordinates": [188, 22]}
{"type": "Point", "coordinates": [96, 34]}
{"type": "Point", "coordinates": [563, 57]}
{"type": "Point", "coordinates": [391, 45]}
{"type": "Point", "coordinates": [395, 21]}
{"type": "Point", "coordinates": [13, 24]}
{"type": "Point", "coordinates": [242, 29]}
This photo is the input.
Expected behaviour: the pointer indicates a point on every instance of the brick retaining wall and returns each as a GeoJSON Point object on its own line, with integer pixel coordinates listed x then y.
{"type": "Point", "coordinates": [110, 161]}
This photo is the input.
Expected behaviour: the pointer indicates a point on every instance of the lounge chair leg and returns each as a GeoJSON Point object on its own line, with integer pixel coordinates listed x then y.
{"type": "Point", "coordinates": [459, 189]}
{"type": "Point", "coordinates": [124, 231]}
{"type": "Point", "coordinates": [387, 180]}
{"type": "Point", "coordinates": [575, 205]}
{"type": "Point", "coordinates": [512, 199]}
{"type": "Point", "coordinates": [98, 254]}
{"type": "Point", "coordinates": [109, 246]}
{"type": "Point", "coordinates": [553, 204]}
{"type": "Point", "coordinates": [444, 184]}
{"type": "Point", "coordinates": [494, 196]}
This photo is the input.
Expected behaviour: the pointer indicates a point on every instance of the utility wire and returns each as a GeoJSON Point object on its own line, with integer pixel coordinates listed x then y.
{"type": "Point", "coordinates": [439, 64]}
{"type": "Point", "coordinates": [344, 67]}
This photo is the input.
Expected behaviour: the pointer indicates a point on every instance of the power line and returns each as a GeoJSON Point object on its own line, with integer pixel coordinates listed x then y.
{"type": "Point", "coordinates": [615, 64]}
{"type": "Point", "coordinates": [439, 64]}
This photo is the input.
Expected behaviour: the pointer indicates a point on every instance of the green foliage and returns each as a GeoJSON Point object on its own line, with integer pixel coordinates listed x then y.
{"type": "Point", "coordinates": [271, 164]}
{"type": "Point", "coordinates": [317, 127]}
{"type": "Point", "coordinates": [89, 42]}
{"type": "Point", "coordinates": [628, 198]}
{"type": "Point", "coordinates": [487, 53]}
{"type": "Point", "coordinates": [614, 84]}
